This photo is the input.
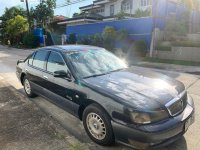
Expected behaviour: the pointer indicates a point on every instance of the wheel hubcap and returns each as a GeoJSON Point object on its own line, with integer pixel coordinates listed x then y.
{"type": "Point", "coordinates": [27, 86]}
{"type": "Point", "coordinates": [96, 126]}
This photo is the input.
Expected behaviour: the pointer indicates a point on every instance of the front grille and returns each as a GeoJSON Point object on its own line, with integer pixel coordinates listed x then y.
{"type": "Point", "coordinates": [178, 104]}
{"type": "Point", "coordinates": [176, 108]}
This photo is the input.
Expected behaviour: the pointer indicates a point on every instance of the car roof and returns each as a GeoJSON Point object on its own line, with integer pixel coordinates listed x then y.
{"type": "Point", "coordinates": [69, 48]}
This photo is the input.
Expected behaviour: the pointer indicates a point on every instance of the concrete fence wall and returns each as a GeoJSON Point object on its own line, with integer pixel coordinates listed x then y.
{"type": "Point", "coordinates": [180, 53]}
{"type": "Point", "coordinates": [137, 28]}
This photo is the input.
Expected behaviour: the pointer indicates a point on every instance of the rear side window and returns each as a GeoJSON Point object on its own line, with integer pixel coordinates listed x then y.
{"type": "Point", "coordinates": [30, 60]}
{"type": "Point", "coordinates": [55, 63]}
{"type": "Point", "coordinates": [39, 59]}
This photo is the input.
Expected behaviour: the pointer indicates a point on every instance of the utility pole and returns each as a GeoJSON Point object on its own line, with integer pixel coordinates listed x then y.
{"type": "Point", "coordinates": [28, 13]}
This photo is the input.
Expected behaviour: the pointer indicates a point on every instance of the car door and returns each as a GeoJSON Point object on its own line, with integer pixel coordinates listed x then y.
{"type": "Point", "coordinates": [59, 90]}
{"type": "Point", "coordinates": [35, 68]}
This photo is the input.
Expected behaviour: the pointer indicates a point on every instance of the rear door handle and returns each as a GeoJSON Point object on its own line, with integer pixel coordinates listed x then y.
{"type": "Point", "coordinates": [45, 77]}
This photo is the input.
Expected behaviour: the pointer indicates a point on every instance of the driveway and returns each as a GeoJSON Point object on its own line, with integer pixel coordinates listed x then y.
{"type": "Point", "coordinates": [74, 127]}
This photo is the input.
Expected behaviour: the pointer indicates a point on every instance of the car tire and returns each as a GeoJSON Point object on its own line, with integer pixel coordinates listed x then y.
{"type": "Point", "coordinates": [98, 126]}
{"type": "Point", "coordinates": [27, 88]}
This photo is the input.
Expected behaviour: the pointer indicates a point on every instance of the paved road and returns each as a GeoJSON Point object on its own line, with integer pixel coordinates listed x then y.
{"type": "Point", "coordinates": [23, 126]}
{"type": "Point", "coordinates": [190, 141]}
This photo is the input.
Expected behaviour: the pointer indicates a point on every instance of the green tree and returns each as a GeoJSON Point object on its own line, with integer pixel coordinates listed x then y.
{"type": "Point", "coordinates": [15, 28]}
{"type": "Point", "coordinates": [78, 14]}
{"type": "Point", "coordinates": [10, 13]}
{"type": "Point", "coordinates": [43, 12]}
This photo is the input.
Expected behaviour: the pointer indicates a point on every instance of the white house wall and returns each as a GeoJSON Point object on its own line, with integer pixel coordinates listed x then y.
{"type": "Point", "coordinates": [117, 7]}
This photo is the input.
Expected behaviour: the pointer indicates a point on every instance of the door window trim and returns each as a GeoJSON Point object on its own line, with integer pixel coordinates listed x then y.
{"type": "Point", "coordinates": [62, 60]}
{"type": "Point", "coordinates": [37, 68]}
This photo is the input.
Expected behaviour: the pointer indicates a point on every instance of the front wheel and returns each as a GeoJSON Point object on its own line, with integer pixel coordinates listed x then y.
{"type": "Point", "coordinates": [97, 125]}
{"type": "Point", "coordinates": [28, 89]}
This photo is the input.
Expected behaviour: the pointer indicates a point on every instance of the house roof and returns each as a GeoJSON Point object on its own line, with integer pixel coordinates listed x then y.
{"type": "Point", "coordinates": [88, 7]}
{"type": "Point", "coordinates": [59, 17]}
{"type": "Point", "coordinates": [80, 19]}
{"type": "Point", "coordinates": [99, 2]}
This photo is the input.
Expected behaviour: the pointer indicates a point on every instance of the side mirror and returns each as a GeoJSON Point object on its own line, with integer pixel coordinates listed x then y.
{"type": "Point", "coordinates": [63, 74]}
{"type": "Point", "coordinates": [20, 61]}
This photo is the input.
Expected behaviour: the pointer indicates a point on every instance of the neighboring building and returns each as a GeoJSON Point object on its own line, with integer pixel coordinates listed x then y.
{"type": "Point", "coordinates": [82, 19]}
{"type": "Point", "coordinates": [110, 8]}
{"type": "Point", "coordinates": [59, 18]}
{"type": "Point", "coordinates": [105, 10]}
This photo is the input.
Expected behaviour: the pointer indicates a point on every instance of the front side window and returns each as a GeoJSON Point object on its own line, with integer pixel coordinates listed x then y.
{"type": "Point", "coordinates": [55, 63]}
{"type": "Point", "coordinates": [94, 62]}
{"type": "Point", "coordinates": [39, 59]}
{"type": "Point", "coordinates": [30, 59]}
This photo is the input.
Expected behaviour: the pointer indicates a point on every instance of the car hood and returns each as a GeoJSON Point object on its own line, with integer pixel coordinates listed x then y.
{"type": "Point", "coordinates": [142, 88]}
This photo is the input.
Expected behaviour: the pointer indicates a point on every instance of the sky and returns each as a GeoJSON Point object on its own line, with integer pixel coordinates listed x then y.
{"type": "Point", "coordinates": [65, 11]}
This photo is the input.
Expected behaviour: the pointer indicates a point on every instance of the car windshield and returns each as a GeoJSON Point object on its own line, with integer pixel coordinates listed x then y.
{"type": "Point", "coordinates": [95, 62]}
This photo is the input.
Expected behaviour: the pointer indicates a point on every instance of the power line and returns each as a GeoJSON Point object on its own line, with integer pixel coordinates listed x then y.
{"type": "Point", "coordinates": [70, 3]}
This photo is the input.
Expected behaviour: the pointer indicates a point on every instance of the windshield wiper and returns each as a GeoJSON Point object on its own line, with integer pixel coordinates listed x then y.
{"type": "Point", "coordinates": [95, 75]}
{"type": "Point", "coordinates": [118, 70]}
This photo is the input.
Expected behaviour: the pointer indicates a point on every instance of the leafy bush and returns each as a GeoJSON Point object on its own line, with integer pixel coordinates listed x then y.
{"type": "Point", "coordinates": [142, 13]}
{"type": "Point", "coordinates": [135, 51]}
{"type": "Point", "coordinates": [72, 39]}
{"type": "Point", "coordinates": [109, 38]}
{"type": "Point", "coordinates": [30, 40]}
{"type": "Point", "coordinates": [140, 45]}
{"type": "Point", "coordinates": [109, 32]}
{"type": "Point", "coordinates": [97, 40]}
{"type": "Point", "coordinates": [122, 34]}
{"type": "Point", "coordinates": [161, 47]}
{"type": "Point", "coordinates": [121, 15]}
{"type": "Point", "coordinates": [186, 43]}
{"type": "Point", "coordinates": [85, 40]}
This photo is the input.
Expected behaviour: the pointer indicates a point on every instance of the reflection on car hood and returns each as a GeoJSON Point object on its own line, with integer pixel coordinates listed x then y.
{"type": "Point", "coordinates": [140, 87]}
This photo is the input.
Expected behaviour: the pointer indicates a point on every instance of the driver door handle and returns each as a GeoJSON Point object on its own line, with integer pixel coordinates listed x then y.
{"type": "Point", "coordinates": [45, 77]}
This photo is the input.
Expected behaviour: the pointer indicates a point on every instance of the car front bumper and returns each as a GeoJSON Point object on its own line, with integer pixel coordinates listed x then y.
{"type": "Point", "coordinates": [157, 134]}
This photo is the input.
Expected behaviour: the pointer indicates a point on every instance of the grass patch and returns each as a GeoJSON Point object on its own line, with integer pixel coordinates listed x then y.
{"type": "Point", "coordinates": [186, 43]}
{"type": "Point", "coordinates": [163, 48]}
{"type": "Point", "coordinates": [176, 62]}
{"type": "Point", "coordinates": [77, 147]}
{"type": "Point", "coordinates": [60, 136]}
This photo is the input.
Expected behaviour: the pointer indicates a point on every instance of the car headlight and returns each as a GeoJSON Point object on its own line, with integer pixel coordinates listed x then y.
{"type": "Point", "coordinates": [141, 118]}
{"type": "Point", "coordinates": [148, 117]}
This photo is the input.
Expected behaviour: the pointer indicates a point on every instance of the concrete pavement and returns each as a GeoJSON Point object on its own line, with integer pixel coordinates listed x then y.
{"type": "Point", "coordinates": [23, 126]}
{"type": "Point", "coordinates": [74, 127]}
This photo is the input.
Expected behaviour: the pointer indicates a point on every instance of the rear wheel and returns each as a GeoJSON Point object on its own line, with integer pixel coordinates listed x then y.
{"type": "Point", "coordinates": [27, 88]}
{"type": "Point", "coordinates": [97, 125]}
